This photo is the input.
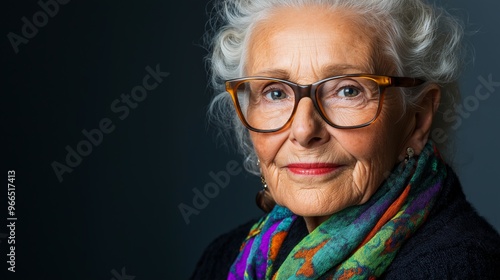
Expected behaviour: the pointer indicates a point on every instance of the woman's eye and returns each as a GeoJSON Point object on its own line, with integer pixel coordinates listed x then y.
{"type": "Point", "coordinates": [275, 94]}
{"type": "Point", "coordinates": [348, 92]}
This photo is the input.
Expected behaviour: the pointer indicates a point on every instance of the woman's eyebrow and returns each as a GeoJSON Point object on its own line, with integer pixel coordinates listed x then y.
{"type": "Point", "coordinates": [274, 73]}
{"type": "Point", "coordinates": [329, 70]}
{"type": "Point", "coordinates": [340, 69]}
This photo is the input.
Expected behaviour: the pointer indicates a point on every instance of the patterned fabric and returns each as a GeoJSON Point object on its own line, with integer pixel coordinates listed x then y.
{"type": "Point", "coordinates": [358, 242]}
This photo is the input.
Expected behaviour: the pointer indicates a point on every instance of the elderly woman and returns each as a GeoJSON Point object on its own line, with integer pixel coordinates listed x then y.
{"type": "Point", "coordinates": [333, 103]}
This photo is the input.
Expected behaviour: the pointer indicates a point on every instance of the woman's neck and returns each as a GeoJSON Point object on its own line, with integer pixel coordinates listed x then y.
{"type": "Point", "coordinates": [313, 222]}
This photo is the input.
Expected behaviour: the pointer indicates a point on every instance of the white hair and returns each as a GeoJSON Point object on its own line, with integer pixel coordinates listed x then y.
{"type": "Point", "coordinates": [420, 40]}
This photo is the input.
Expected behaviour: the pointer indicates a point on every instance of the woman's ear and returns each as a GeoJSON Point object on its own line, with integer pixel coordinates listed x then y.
{"type": "Point", "coordinates": [424, 113]}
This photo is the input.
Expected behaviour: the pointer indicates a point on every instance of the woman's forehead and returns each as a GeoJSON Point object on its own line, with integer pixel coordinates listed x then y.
{"type": "Point", "coordinates": [305, 41]}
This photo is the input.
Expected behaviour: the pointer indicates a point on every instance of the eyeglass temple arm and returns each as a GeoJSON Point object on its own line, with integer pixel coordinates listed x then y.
{"type": "Point", "coordinates": [406, 82]}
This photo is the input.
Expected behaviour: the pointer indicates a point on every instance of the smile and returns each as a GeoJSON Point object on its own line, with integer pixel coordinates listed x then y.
{"type": "Point", "coordinates": [312, 168]}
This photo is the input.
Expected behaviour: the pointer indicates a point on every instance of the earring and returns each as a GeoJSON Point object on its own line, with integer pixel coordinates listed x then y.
{"type": "Point", "coordinates": [263, 182]}
{"type": "Point", "coordinates": [258, 162]}
{"type": "Point", "coordinates": [409, 154]}
{"type": "Point", "coordinates": [264, 199]}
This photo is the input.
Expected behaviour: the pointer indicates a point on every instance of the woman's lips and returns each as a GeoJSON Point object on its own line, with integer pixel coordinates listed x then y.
{"type": "Point", "coordinates": [312, 168]}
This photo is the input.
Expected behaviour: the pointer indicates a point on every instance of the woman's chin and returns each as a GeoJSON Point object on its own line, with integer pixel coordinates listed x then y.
{"type": "Point", "coordinates": [318, 200]}
{"type": "Point", "coordinates": [315, 209]}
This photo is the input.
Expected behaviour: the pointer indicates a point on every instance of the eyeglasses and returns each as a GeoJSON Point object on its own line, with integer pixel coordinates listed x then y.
{"type": "Point", "coordinates": [266, 104]}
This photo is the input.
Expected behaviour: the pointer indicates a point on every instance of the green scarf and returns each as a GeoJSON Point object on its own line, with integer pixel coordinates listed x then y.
{"type": "Point", "coordinates": [358, 242]}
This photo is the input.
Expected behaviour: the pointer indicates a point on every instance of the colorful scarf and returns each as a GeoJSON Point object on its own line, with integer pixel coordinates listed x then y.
{"type": "Point", "coordinates": [358, 242]}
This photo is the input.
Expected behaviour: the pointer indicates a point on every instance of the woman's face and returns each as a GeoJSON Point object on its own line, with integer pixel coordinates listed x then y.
{"type": "Point", "coordinates": [312, 168]}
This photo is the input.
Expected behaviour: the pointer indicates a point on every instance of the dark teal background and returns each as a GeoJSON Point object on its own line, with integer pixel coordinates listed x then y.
{"type": "Point", "coordinates": [119, 207]}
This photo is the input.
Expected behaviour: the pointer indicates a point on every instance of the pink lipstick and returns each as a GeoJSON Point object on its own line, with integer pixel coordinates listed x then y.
{"type": "Point", "coordinates": [312, 168]}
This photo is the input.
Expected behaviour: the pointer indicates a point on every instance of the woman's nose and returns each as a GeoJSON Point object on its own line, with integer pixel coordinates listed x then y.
{"type": "Point", "coordinates": [308, 129]}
